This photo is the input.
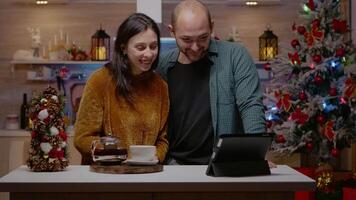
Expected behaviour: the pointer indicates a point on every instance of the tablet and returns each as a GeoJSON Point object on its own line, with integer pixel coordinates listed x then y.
{"type": "Point", "coordinates": [240, 155]}
{"type": "Point", "coordinates": [242, 147]}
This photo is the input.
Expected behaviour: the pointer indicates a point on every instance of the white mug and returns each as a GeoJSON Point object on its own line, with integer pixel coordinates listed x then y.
{"type": "Point", "coordinates": [142, 152]}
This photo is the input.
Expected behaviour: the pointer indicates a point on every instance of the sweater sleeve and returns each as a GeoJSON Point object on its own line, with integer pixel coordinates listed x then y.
{"type": "Point", "coordinates": [162, 141]}
{"type": "Point", "coordinates": [88, 125]}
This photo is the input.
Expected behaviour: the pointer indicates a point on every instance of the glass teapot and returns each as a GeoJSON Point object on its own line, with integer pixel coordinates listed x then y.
{"type": "Point", "coordinates": [107, 149]}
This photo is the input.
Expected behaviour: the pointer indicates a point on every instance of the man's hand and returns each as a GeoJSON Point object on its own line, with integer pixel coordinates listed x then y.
{"type": "Point", "coordinates": [271, 164]}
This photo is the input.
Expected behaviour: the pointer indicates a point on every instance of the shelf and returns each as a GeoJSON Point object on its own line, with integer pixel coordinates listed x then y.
{"type": "Point", "coordinates": [58, 62]}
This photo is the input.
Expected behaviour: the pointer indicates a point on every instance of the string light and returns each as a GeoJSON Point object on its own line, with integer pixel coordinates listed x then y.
{"type": "Point", "coordinates": [41, 2]}
{"type": "Point", "coordinates": [251, 3]}
{"type": "Point", "coordinates": [333, 64]}
{"type": "Point", "coordinates": [312, 66]}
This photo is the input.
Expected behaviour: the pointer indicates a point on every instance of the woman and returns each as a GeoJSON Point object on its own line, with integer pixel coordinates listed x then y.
{"type": "Point", "coordinates": [126, 98]}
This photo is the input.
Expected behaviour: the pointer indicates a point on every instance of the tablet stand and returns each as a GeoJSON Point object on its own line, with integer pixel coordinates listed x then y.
{"type": "Point", "coordinates": [238, 168]}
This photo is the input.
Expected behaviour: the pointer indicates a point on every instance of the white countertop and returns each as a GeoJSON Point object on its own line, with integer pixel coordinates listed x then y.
{"type": "Point", "coordinates": [173, 178]}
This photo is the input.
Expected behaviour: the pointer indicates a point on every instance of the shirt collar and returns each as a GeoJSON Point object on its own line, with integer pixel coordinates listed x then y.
{"type": "Point", "coordinates": [213, 50]}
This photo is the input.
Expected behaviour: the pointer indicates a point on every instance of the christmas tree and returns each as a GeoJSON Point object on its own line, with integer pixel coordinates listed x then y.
{"type": "Point", "coordinates": [311, 100]}
{"type": "Point", "coordinates": [48, 150]}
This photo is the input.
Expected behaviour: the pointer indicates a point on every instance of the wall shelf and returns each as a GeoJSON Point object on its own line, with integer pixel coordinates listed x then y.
{"type": "Point", "coordinates": [36, 67]}
{"type": "Point", "coordinates": [57, 62]}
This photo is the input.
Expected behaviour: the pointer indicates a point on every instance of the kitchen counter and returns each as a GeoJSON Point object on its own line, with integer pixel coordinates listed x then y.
{"type": "Point", "coordinates": [174, 182]}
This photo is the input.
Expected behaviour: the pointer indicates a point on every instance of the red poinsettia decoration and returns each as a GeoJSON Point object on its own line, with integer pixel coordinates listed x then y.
{"type": "Point", "coordinates": [314, 34]}
{"type": "Point", "coordinates": [294, 58]}
{"type": "Point", "coordinates": [283, 100]}
{"type": "Point", "coordinates": [340, 26]}
{"type": "Point", "coordinates": [299, 117]}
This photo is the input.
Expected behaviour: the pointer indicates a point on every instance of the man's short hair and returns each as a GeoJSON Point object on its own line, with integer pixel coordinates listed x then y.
{"type": "Point", "coordinates": [190, 4]}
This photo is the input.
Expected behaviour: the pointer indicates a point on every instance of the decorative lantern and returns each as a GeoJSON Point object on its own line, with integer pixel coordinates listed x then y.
{"type": "Point", "coordinates": [268, 45]}
{"type": "Point", "coordinates": [100, 45]}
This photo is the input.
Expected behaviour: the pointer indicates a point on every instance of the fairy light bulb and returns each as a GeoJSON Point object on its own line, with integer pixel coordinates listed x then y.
{"type": "Point", "coordinates": [306, 8]}
{"type": "Point", "coordinates": [312, 66]}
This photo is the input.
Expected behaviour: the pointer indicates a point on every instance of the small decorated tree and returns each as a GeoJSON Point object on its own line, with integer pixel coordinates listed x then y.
{"type": "Point", "coordinates": [48, 150]}
{"type": "Point", "coordinates": [311, 100]}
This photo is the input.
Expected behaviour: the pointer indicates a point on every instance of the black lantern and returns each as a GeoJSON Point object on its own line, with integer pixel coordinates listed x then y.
{"type": "Point", "coordinates": [268, 45]}
{"type": "Point", "coordinates": [100, 46]}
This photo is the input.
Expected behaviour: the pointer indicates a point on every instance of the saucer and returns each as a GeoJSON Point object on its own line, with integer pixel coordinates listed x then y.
{"type": "Point", "coordinates": [141, 162]}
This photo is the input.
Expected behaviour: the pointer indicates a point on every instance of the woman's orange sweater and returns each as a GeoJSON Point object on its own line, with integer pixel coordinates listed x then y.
{"type": "Point", "coordinates": [101, 113]}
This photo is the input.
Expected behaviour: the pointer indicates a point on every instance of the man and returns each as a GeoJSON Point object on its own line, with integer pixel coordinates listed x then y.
{"type": "Point", "coordinates": [213, 87]}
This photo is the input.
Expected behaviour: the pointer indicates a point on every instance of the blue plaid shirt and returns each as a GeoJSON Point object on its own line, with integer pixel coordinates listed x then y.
{"type": "Point", "coordinates": [235, 95]}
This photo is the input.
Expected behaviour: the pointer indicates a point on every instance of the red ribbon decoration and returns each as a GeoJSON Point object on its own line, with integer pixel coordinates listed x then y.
{"type": "Point", "coordinates": [299, 116]}
{"type": "Point", "coordinates": [329, 131]}
{"type": "Point", "coordinates": [283, 100]}
{"type": "Point", "coordinates": [315, 34]}
{"type": "Point", "coordinates": [350, 87]}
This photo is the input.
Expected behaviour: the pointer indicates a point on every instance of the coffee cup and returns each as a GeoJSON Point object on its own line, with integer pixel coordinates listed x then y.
{"type": "Point", "coordinates": [142, 152]}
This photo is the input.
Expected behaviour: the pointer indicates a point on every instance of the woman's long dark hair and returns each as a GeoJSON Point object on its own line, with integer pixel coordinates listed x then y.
{"type": "Point", "coordinates": [120, 67]}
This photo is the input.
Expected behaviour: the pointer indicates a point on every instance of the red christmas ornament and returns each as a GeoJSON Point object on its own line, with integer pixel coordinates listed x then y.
{"type": "Point", "coordinates": [318, 80]}
{"type": "Point", "coordinates": [267, 66]}
{"type": "Point", "coordinates": [317, 58]}
{"type": "Point", "coordinates": [316, 23]}
{"type": "Point", "coordinates": [335, 152]}
{"type": "Point", "coordinates": [320, 119]}
{"type": "Point", "coordinates": [340, 52]}
{"type": "Point", "coordinates": [302, 96]}
{"type": "Point", "coordinates": [340, 26]}
{"type": "Point", "coordinates": [63, 135]}
{"type": "Point", "coordinates": [45, 138]}
{"type": "Point", "coordinates": [332, 91]}
{"type": "Point", "coordinates": [309, 146]}
{"type": "Point", "coordinates": [280, 138]}
{"type": "Point", "coordinates": [294, 58]}
{"type": "Point", "coordinates": [311, 5]}
{"type": "Point", "coordinates": [301, 30]}
{"type": "Point", "coordinates": [33, 134]}
{"type": "Point", "coordinates": [63, 72]}
{"type": "Point", "coordinates": [295, 43]}
{"type": "Point", "coordinates": [269, 124]}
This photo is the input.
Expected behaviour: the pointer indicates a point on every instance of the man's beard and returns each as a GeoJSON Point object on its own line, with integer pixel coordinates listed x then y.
{"type": "Point", "coordinates": [187, 55]}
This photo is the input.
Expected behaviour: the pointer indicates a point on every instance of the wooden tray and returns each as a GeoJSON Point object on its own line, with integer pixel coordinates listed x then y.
{"type": "Point", "coordinates": [125, 169]}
